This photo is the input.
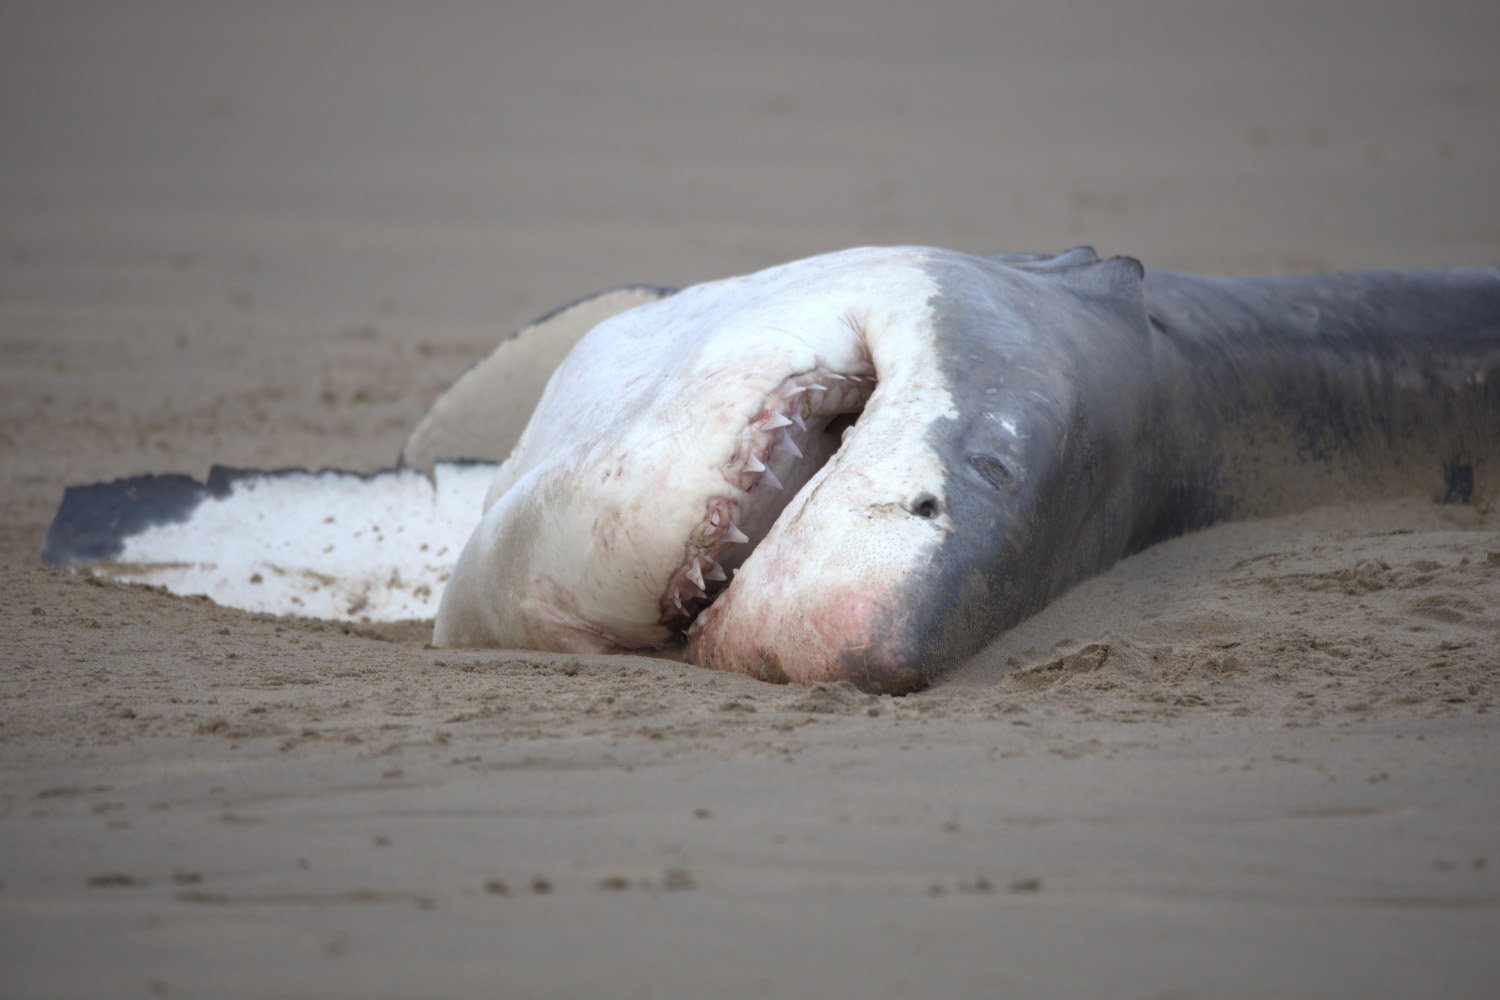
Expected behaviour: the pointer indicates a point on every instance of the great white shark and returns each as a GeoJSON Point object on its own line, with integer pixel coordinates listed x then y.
{"type": "Point", "coordinates": [868, 464]}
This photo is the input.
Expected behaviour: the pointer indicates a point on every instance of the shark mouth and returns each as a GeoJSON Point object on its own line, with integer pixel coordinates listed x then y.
{"type": "Point", "coordinates": [796, 430]}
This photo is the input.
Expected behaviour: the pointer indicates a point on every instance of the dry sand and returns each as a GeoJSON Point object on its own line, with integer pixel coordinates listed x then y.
{"type": "Point", "coordinates": [1259, 761]}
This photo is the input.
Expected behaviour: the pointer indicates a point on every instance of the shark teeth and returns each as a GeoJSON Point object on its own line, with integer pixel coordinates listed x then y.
{"type": "Point", "coordinates": [757, 448]}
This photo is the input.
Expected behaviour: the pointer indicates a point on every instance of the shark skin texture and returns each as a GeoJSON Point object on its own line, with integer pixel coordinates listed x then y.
{"type": "Point", "coordinates": [862, 466]}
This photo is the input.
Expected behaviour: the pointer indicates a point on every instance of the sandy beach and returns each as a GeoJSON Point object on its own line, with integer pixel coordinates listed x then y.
{"type": "Point", "coordinates": [1258, 761]}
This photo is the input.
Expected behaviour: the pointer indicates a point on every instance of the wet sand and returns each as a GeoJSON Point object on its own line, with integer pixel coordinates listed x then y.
{"type": "Point", "coordinates": [1256, 761]}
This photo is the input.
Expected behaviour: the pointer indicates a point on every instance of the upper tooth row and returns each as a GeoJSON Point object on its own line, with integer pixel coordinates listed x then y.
{"type": "Point", "coordinates": [754, 465]}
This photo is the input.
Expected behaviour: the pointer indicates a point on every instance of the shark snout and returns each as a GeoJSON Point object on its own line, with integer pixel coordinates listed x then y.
{"type": "Point", "coordinates": [848, 633]}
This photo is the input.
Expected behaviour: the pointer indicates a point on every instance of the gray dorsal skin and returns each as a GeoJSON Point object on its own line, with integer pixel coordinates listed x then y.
{"type": "Point", "coordinates": [1149, 403]}
{"type": "Point", "coordinates": [479, 417]}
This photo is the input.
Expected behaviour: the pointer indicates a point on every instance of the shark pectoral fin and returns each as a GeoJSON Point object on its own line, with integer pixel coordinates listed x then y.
{"type": "Point", "coordinates": [481, 415]}
{"type": "Point", "coordinates": [327, 544]}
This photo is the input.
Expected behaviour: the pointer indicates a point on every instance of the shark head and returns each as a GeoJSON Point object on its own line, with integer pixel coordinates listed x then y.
{"type": "Point", "coordinates": [846, 467]}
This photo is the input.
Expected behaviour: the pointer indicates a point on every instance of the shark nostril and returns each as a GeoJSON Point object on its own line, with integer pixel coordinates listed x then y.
{"type": "Point", "coordinates": [925, 505]}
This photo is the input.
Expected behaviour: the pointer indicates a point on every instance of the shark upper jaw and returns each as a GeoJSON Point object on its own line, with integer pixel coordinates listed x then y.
{"type": "Point", "coordinates": [834, 590]}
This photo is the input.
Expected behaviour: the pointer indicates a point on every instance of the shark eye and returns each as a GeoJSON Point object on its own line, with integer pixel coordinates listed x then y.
{"type": "Point", "coordinates": [994, 472]}
{"type": "Point", "coordinates": [925, 506]}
